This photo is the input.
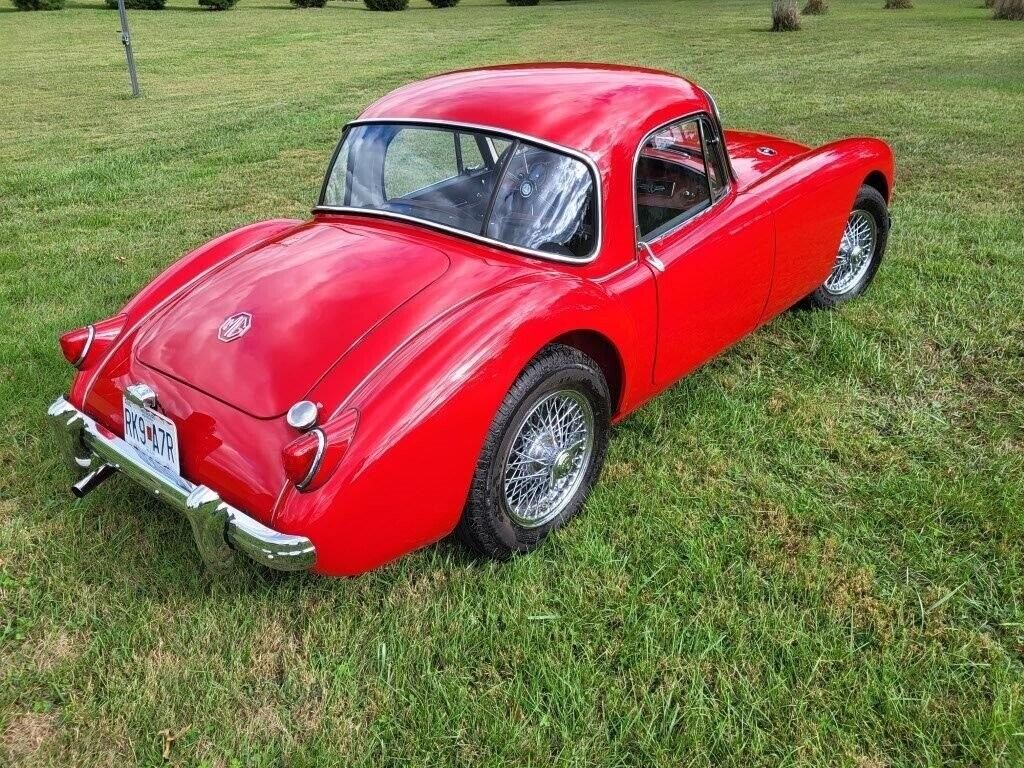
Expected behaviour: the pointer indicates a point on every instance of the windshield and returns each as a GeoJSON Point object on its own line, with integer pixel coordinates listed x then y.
{"type": "Point", "coordinates": [486, 185]}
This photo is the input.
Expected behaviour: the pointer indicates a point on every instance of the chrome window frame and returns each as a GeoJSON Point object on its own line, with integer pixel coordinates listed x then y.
{"type": "Point", "coordinates": [703, 116]}
{"type": "Point", "coordinates": [501, 133]}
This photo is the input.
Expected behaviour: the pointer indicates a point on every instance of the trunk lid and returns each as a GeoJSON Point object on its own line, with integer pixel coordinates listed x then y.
{"type": "Point", "coordinates": [259, 332]}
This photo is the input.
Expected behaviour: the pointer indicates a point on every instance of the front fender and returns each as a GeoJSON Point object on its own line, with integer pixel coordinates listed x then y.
{"type": "Point", "coordinates": [424, 415]}
{"type": "Point", "coordinates": [811, 198]}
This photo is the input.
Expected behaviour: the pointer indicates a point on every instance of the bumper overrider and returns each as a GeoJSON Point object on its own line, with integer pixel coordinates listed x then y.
{"type": "Point", "coordinates": [220, 529]}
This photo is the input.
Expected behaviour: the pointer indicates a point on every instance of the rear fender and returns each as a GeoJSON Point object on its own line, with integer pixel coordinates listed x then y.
{"type": "Point", "coordinates": [424, 416]}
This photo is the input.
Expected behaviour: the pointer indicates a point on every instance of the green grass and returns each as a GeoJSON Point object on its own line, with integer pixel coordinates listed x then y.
{"type": "Point", "coordinates": [808, 553]}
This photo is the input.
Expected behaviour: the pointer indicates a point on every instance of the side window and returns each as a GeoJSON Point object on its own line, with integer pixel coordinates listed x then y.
{"type": "Point", "coordinates": [673, 182]}
{"type": "Point", "coordinates": [468, 154]}
{"type": "Point", "coordinates": [418, 158]}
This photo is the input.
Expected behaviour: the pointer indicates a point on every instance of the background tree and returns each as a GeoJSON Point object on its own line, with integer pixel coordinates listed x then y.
{"type": "Point", "coordinates": [38, 5]}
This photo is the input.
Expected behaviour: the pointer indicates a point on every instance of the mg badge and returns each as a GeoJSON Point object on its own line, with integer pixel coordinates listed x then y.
{"type": "Point", "coordinates": [235, 326]}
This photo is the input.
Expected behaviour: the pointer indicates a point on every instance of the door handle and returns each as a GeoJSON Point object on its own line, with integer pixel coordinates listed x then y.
{"type": "Point", "coordinates": [653, 260]}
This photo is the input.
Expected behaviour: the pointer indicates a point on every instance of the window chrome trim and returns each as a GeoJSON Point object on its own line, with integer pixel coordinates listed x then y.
{"type": "Point", "coordinates": [698, 115]}
{"type": "Point", "coordinates": [500, 132]}
{"type": "Point", "coordinates": [722, 150]}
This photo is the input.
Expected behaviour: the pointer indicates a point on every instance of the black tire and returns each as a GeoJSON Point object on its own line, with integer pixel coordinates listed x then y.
{"type": "Point", "coordinates": [871, 201]}
{"type": "Point", "coordinates": [486, 525]}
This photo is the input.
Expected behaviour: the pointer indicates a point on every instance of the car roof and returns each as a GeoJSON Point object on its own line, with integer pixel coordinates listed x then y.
{"type": "Point", "coordinates": [591, 108]}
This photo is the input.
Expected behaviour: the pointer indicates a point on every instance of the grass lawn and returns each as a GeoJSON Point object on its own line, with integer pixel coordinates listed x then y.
{"type": "Point", "coordinates": [808, 553]}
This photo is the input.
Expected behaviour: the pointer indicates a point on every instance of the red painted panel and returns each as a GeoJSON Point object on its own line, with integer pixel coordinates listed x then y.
{"type": "Point", "coordinates": [311, 296]}
{"type": "Point", "coordinates": [713, 290]}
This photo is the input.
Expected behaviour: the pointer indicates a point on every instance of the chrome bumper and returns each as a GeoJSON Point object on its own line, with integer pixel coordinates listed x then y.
{"type": "Point", "coordinates": [220, 529]}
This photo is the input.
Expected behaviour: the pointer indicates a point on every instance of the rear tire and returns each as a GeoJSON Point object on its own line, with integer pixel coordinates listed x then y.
{"type": "Point", "coordinates": [543, 454]}
{"type": "Point", "coordinates": [860, 252]}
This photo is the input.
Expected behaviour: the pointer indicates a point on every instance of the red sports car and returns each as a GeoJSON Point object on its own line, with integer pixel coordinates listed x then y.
{"type": "Point", "coordinates": [501, 264]}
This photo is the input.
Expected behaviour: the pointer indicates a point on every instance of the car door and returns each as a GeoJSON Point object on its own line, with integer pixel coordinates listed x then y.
{"type": "Point", "coordinates": [711, 250]}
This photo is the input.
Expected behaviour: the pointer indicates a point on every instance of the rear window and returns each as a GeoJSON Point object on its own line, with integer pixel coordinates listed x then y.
{"type": "Point", "coordinates": [511, 191]}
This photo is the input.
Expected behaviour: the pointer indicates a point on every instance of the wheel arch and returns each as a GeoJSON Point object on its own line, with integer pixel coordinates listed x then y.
{"type": "Point", "coordinates": [878, 180]}
{"type": "Point", "coordinates": [602, 351]}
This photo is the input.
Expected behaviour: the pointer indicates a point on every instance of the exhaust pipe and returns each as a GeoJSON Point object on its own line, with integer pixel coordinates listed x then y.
{"type": "Point", "coordinates": [93, 479]}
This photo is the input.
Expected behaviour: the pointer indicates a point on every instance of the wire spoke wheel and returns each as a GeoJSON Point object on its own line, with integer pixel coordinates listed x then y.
{"type": "Point", "coordinates": [548, 458]}
{"type": "Point", "coordinates": [856, 251]}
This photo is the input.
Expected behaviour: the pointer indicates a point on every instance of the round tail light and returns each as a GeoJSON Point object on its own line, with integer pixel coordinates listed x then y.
{"type": "Point", "coordinates": [310, 460]}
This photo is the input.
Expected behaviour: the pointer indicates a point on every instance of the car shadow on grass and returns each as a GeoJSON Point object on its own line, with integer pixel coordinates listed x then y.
{"type": "Point", "coordinates": [124, 534]}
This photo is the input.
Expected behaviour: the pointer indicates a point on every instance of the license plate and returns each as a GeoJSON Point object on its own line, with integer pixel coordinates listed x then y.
{"type": "Point", "coordinates": [154, 436]}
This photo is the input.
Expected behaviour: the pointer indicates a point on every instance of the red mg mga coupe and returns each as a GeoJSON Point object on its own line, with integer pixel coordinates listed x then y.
{"type": "Point", "coordinates": [501, 264]}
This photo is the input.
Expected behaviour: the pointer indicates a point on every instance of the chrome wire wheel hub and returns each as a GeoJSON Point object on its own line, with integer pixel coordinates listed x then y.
{"type": "Point", "coordinates": [855, 253]}
{"type": "Point", "coordinates": [548, 458]}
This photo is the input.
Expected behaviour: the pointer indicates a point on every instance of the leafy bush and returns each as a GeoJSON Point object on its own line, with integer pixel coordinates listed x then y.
{"type": "Point", "coordinates": [217, 5]}
{"type": "Point", "coordinates": [387, 5]}
{"type": "Point", "coordinates": [815, 8]}
{"type": "Point", "coordinates": [894, 4]}
{"type": "Point", "coordinates": [309, 3]}
{"type": "Point", "coordinates": [38, 5]}
{"type": "Point", "coordinates": [443, 3]}
{"type": "Point", "coordinates": [522, 2]}
{"type": "Point", "coordinates": [1008, 9]}
{"type": "Point", "coordinates": [139, 5]}
{"type": "Point", "coordinates": [784, 16]}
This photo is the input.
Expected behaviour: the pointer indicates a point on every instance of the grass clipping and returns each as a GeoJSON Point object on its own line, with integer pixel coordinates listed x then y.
{"type": "Point", "coordinates": [784, 16]}
{"type": "Point", "coordinates": [815, 8]}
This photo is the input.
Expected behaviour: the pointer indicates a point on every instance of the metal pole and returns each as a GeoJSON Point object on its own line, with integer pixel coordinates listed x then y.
{"type": "Point", "coordinates": [126, 39]}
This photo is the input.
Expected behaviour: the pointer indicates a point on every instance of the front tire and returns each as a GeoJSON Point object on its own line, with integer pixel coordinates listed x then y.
{"type": "Point", "coordinates": [860, 252]}
{"type": "Point", "coordinates": [543, 454]}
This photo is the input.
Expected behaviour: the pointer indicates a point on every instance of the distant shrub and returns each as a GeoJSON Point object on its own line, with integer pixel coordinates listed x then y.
{"type": "Point", "coordinates": [815, 8]}
{"type": "Point", "coordinates": [387, 5]}
{"type": "Point", "coordinates": [139, 5]}
{"type": "Point", "coordinates": [784, 16]}
{"type": "Point", "coordinates": [443, 3]}
{"type": "Point", "coordinates": [522, 2]}
{"type": "Point", "coordinates": [38, 5]}
{"type": "Point", "coordinates": [1008, 9]}
{"type": "Point", "coordinates": [896, 4]}
{"type": "Point", "coordinates": [309, 3]}
{"type": "Point", "coordinates": [217, 5]}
